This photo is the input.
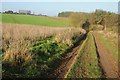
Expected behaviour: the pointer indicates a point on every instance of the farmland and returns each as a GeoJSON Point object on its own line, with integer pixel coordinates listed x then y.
{"type": "Point", "coordinates": [45, 47]}
{"type": "Point", "coordinates": [34, 20]}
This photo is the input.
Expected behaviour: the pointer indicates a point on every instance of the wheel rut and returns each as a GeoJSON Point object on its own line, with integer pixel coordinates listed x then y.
{"type": "Point", "coordinates": [61, 71]}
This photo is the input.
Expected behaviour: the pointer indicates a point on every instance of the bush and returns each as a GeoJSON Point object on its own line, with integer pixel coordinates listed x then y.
{"type": "Point", "coordinates": [47, 54]}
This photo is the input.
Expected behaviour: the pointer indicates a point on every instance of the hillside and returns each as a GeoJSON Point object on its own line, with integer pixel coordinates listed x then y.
{"type": "Point", "coordinates": [34, 20]}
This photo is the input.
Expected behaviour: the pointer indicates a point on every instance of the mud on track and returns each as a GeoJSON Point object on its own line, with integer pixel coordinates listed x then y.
{"type": "Point", "coordinates": [107, 62]}
{"type": "Point", "coordinates": [68, 60]}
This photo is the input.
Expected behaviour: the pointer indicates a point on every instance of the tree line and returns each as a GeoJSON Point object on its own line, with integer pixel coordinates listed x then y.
{"type": "Point", "coordinates": [99, 17]}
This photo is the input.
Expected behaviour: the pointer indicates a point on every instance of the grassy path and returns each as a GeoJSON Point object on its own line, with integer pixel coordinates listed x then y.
{"type": "Point", "coordinates": [86, 64]}
{"type": "Point", "coordinates": [93, 61]}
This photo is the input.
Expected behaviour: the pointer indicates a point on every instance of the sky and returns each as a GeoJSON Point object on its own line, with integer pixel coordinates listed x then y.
{"type": "Point", "coordinates": [59, 0]}
{"type": "Point", "coordinates": [53, 8]}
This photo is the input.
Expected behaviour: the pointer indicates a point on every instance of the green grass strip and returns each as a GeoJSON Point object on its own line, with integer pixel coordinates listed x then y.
{"type": "Point", "coordinates": [86, 64]}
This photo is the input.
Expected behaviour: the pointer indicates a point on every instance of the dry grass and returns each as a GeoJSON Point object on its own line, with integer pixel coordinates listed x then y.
{"type": "Point", "coordinates": [113, 37]}
{"type": "Point", "coordinates": [67, 35]}
{"type": "Point", "coordinates": [18, 38]}
{"type": "Point", "coordinates": [110, 40]}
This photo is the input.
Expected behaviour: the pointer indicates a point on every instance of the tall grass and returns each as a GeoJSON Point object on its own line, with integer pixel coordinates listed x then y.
{"type": "Point", "coordinates": [17, 40]}
{"type": "Point", "coordinates": [21, 36]}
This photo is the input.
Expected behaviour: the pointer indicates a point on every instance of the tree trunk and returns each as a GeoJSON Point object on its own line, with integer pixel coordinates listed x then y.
{"type": "Point", "coordinates": [105, 28]}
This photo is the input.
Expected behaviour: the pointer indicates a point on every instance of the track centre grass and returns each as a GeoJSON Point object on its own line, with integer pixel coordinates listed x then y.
{"type": "Point", "coordinates": [86, 65]}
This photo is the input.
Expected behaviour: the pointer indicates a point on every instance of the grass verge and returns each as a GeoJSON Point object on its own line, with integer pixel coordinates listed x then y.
{"type": "Point", "coordinates": [109, 45]}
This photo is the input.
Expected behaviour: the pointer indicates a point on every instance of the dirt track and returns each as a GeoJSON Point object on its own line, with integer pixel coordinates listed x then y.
{"type": "Point", "coordinates": [68, 60]}
{"type": "Point", "coordinates": [107, 61]}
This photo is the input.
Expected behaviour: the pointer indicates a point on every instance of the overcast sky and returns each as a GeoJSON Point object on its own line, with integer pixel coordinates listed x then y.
{"type": "Point", "coordinates": [53, 8]}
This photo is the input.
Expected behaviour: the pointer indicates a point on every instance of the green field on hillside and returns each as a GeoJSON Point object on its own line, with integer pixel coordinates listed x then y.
{"type": "Point", "coordinates": [33, 20]}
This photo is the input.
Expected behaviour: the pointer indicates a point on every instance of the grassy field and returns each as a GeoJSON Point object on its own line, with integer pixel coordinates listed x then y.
{"type": "Point", "coordinates": [86, 65]}
{"type": "Point", "coordinates": [34, 46]}
{"type": "Point", "coordinates": [34, 20]}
